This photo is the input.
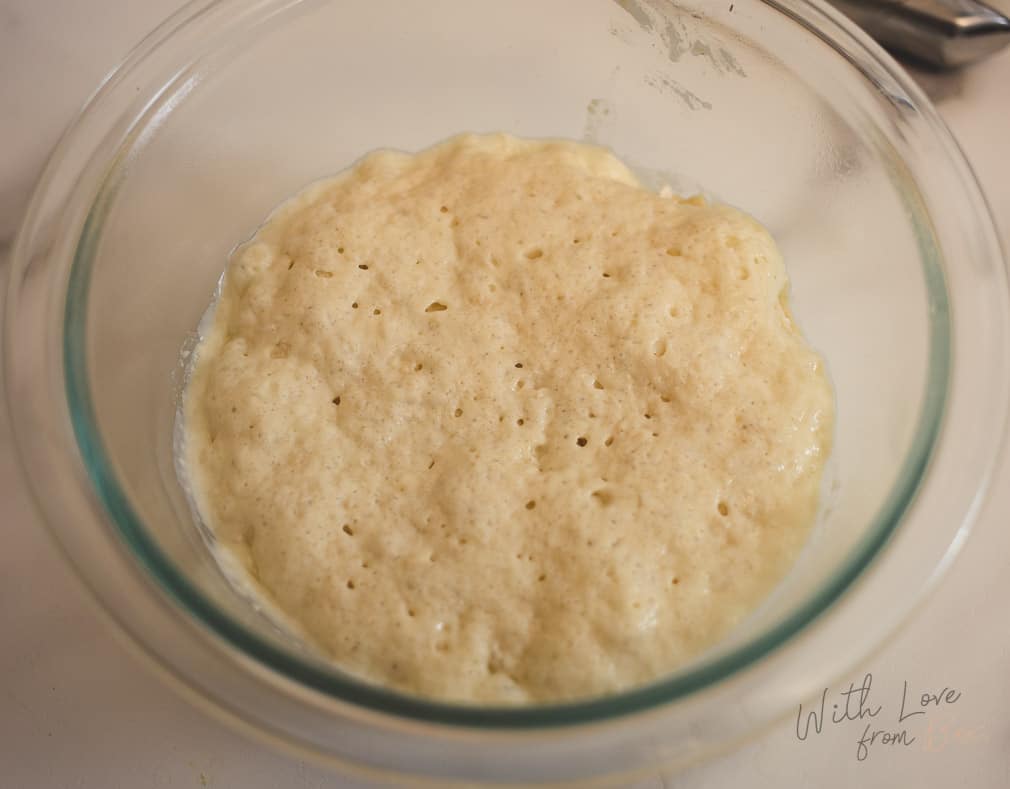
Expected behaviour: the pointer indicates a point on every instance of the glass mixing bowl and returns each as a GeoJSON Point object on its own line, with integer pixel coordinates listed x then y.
{"type": "Point", "coordinates": [781, 108]}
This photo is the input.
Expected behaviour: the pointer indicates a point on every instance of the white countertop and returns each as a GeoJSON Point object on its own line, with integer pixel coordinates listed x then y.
{"type": "Point", "coordinates": [77, 709]}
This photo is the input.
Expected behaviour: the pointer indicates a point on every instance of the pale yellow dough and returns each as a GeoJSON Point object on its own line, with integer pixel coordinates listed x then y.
{"type": "Point", "coordinates": [493, 423]}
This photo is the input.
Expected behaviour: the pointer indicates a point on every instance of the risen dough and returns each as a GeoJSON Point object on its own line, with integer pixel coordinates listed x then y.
{"type": "Point", "coordinates": [492, 422]}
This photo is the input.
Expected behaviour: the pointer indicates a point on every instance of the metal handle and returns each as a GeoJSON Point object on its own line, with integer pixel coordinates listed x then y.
{"type": "Point", "coordinates": [943, 33]}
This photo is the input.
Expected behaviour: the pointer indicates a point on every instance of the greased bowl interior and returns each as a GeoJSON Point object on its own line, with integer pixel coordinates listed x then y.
{"type": "Point", "coordinates": [779, 108]}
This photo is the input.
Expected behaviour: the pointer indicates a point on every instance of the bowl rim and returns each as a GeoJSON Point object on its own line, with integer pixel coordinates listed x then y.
{"type": "Point", "coordinates": [816, 18]}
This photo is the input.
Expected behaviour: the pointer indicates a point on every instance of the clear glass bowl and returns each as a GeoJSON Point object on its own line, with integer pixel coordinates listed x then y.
{"type": "Point", "coordinates": [781, 108]}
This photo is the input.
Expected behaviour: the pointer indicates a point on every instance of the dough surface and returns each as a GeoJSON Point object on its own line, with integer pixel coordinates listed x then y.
{"type": "Point", "coordinates": [493, 423]}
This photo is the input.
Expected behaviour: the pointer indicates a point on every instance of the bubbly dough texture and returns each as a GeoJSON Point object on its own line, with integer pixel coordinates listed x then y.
{"type": "Point", "coordinates": [493, 423]}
